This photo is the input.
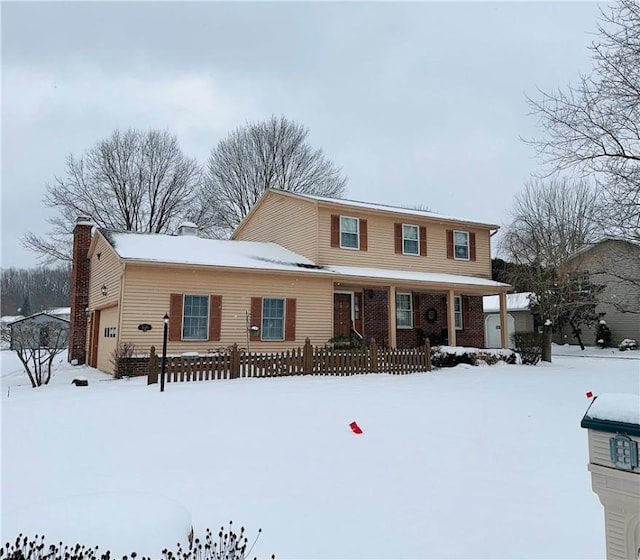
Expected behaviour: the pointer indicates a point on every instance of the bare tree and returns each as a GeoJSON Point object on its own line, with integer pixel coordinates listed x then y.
{"type": "Point", "coordinates": [550, 221]}
{"type": "Point", "coordinates": [273, 154]}
{"type": "Point", "coordinates": [594, 127]}
{"type": "Point", "coordinates": [132, 181]}
{"type": "Point", "coordinates": [37, 345]}
{"type": "Point", "coordinates": [45, 287]}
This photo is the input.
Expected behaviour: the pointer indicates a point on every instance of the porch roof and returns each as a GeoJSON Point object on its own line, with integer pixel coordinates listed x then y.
{"type": "Point", "coordinates": [436, 279]}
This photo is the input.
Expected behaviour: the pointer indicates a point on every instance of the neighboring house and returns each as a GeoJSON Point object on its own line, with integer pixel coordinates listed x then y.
{"type": "Point", "coordinates": [297, 267]}
{"type": "Point", "coordinates": [39, 330]}
{"type": "Point", "coordinates": [5, 331]}
{"type": "Point", "coordinates": [613, 264]}
{"type": "Point", "coordinates": [519, 317]}
{"type": "Point", "coordinates": [62, 312]}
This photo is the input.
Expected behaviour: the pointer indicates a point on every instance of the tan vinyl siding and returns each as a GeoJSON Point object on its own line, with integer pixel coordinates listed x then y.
{"type": "Point", "coordinates": [615, 522]}
{"type": "Point", "coordinates": [381, 253]}
{"type": "Point", "coordinates": [106, 270]}
{"type": "Point", "coordinates": [599, 453]}
{"type": "Point", "coordinates": [106, 344]}
{"type": "Point", "coordinates": [287, 221]}
{"type": "Point", "coordinates": [313, 304]}
{"type": "Point", "coordinates": [523, 321]}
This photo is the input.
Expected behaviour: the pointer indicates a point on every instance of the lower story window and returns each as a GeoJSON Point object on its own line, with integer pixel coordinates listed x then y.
{"type": "Point", "coordinates": [272, 319]}
{"type": "Point", "coordinates": [404, 311]}
{"type": "Point", "coordinates": [195, 317]}
{"type": "Point", "coordinates": [457, 309]}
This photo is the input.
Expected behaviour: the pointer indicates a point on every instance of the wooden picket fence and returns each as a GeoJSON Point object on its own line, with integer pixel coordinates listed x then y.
{"type": "Point", "coordinates": [233, 363]}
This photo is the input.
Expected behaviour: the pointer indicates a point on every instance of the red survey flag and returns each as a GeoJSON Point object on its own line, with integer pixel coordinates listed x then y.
{"type": "Point", "coordinates": [355, 428]}
{"type": "Point", "coordinates": [589, 394]}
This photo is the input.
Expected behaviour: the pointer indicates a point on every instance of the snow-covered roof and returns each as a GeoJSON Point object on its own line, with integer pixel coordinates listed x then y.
{"type": "Point", "coordinates": [615, 407]}
{"type": "Point", "coordinates": [394, 209]}
{"type": "Point", "coordinates": [58, 311]}
{"type": "Point", "coordinates": [44, 313]}
{"type": "Point", "coordinates": [7, 319]}
{"type": "Point", "coordinates": [588, 247]}
{"type": "Point", "coordinates": [414, 276]}
{"type": "Point", "coordinates": [186, 249]}
{"type": "Point", "coordinates": [515, 302]}
{"type": "Point", "coordinates": [178, 249]}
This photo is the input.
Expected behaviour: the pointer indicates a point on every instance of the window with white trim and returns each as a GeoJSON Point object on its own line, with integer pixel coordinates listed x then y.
{"type": "Point", "coordinates": [404, 311]}
{"type": "Point", "coordinates": [410, 239]}
{"type": "Point", "coordinates": [457, 312]}
{"type": "Point", "coordinates": [195, 317]}
{"type": "Point", "coordinates": [349, 232]}
{"type": "Point", "coordinates": [461, 245]}
{"type": "Point", "coordinates": [272, 319]}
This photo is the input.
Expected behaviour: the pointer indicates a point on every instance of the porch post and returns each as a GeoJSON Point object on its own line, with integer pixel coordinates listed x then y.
{"type": "Point", "coordinates": [504, 335]}
{"type": "Point", "coordinates": [392, 317]}
{"type": "Point", "coordinates": [451, 317]}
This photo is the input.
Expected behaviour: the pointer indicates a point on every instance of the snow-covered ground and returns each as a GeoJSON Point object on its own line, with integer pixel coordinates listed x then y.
{"type": "Point", "coordinates": [469, 462]}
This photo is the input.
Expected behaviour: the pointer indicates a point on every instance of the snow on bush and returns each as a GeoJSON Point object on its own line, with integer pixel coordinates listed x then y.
{"type": "Point", "coordinates": [451, 356]}
{"type": "Point", "coordinates": [628, 344]}
{"type": "Point", "coordinates": [225, 545]}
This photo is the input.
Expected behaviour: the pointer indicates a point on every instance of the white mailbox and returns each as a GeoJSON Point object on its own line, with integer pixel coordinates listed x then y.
{"type": "Point", "coordinates": [613, 424]}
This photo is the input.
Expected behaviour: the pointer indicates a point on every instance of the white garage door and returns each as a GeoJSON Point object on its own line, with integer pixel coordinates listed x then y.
{"type": "Point", "coordinates": [107, 340]}
{"type": "Point", "coordinates": [492, 329]}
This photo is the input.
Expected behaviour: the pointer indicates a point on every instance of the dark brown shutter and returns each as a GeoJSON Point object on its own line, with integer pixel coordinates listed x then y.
{"type": "Point", "coordinates": [215, 317]}
{"type": "Point", "coordinates": [445, 316]}
{"type": "Point", "coordinates": [256, 318]}
{"type": "Point", "coordinates": [449, 243]}
{"type": "Point", "coordinates": [363, 235]}
{"type": "Point", "coordinates": [290, 320]}
{"type": "Point", "coordinates": [466, 313]}
{"type": "Point", "coordinates": [417, 316]}
{"type": "Point", "coordinates": [175, 317]}
{"type": "Point", "coordinates": [423, 241]}
{"type": "Point", "coordinates": [397, 234]}
{"type": "Point", "coordinates": [472, 246]}
{"type": "Point", "coordinates": [335, 230]}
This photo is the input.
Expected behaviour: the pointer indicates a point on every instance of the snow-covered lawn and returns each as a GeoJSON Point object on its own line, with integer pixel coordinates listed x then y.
{"type": "Point", "coordinates": [469, 462]}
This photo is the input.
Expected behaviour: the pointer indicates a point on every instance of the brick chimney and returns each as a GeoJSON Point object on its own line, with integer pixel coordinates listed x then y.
{"type": "Point", "coordinates": [79, 290]}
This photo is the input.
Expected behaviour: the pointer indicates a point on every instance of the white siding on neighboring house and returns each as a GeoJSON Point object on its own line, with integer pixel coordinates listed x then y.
{"type": "Point", "coordinates": [615, 265]}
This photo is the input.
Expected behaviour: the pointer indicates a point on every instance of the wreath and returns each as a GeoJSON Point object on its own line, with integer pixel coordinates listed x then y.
{"type": "Point", "coordinates": [432, 315]}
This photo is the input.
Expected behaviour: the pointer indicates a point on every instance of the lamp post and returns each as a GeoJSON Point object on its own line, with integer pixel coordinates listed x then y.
{"type": "Point", "coordinates": [164, 351]}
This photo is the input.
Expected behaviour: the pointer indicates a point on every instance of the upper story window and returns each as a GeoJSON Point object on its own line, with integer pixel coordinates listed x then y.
{"type": "Point", "coordinates": [195, 317]}
{"type": "Point", "coordinates": [273, 319]}
{"type": "Point", "coordinates": [410, 240]}
{"type": "Point", "coordinates": [461, 245]}
{"type": "Point", "coordinates": [349, 233]}
{"type": "Point", "coordinates": [404, 311]}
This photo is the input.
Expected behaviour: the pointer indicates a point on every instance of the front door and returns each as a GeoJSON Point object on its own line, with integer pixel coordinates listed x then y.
{"type": "Point", "coordinates": [342, 315]}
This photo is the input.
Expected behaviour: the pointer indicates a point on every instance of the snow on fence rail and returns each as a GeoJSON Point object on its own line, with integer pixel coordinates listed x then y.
{"type": "Point", "coordinates": [232, 363]}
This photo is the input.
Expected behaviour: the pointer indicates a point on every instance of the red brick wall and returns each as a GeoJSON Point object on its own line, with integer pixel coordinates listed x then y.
{"type": "Point", "coordinates": [473, 333]}
{"type": "Point", "coordinates": [375, 305]}
{"type": "Point", "coordinates": [133, 367]}
{"type": "Point", "coordinates": [79, 291]}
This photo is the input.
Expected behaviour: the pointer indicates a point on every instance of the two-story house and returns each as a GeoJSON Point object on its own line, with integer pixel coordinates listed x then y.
{"type": "Point", "coordinates": [297, 267]}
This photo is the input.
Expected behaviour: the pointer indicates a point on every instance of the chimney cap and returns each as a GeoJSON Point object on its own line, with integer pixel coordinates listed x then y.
{"type": "Point", "coordinates": [84, 221]}
{"type": "Point", "coordinates": [188, 228]}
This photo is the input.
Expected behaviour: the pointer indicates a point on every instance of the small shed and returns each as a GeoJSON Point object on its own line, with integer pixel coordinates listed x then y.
{"type": "Point", "coordinates": [519, 317]}
{"type": "Point", "coordinates": [35, 331]}
{"type": "Point", "coordinates": [613, 424]}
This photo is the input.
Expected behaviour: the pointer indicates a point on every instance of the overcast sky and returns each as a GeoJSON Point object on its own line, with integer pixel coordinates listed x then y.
{"type": "Point", "coordinates": [417, 102]}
